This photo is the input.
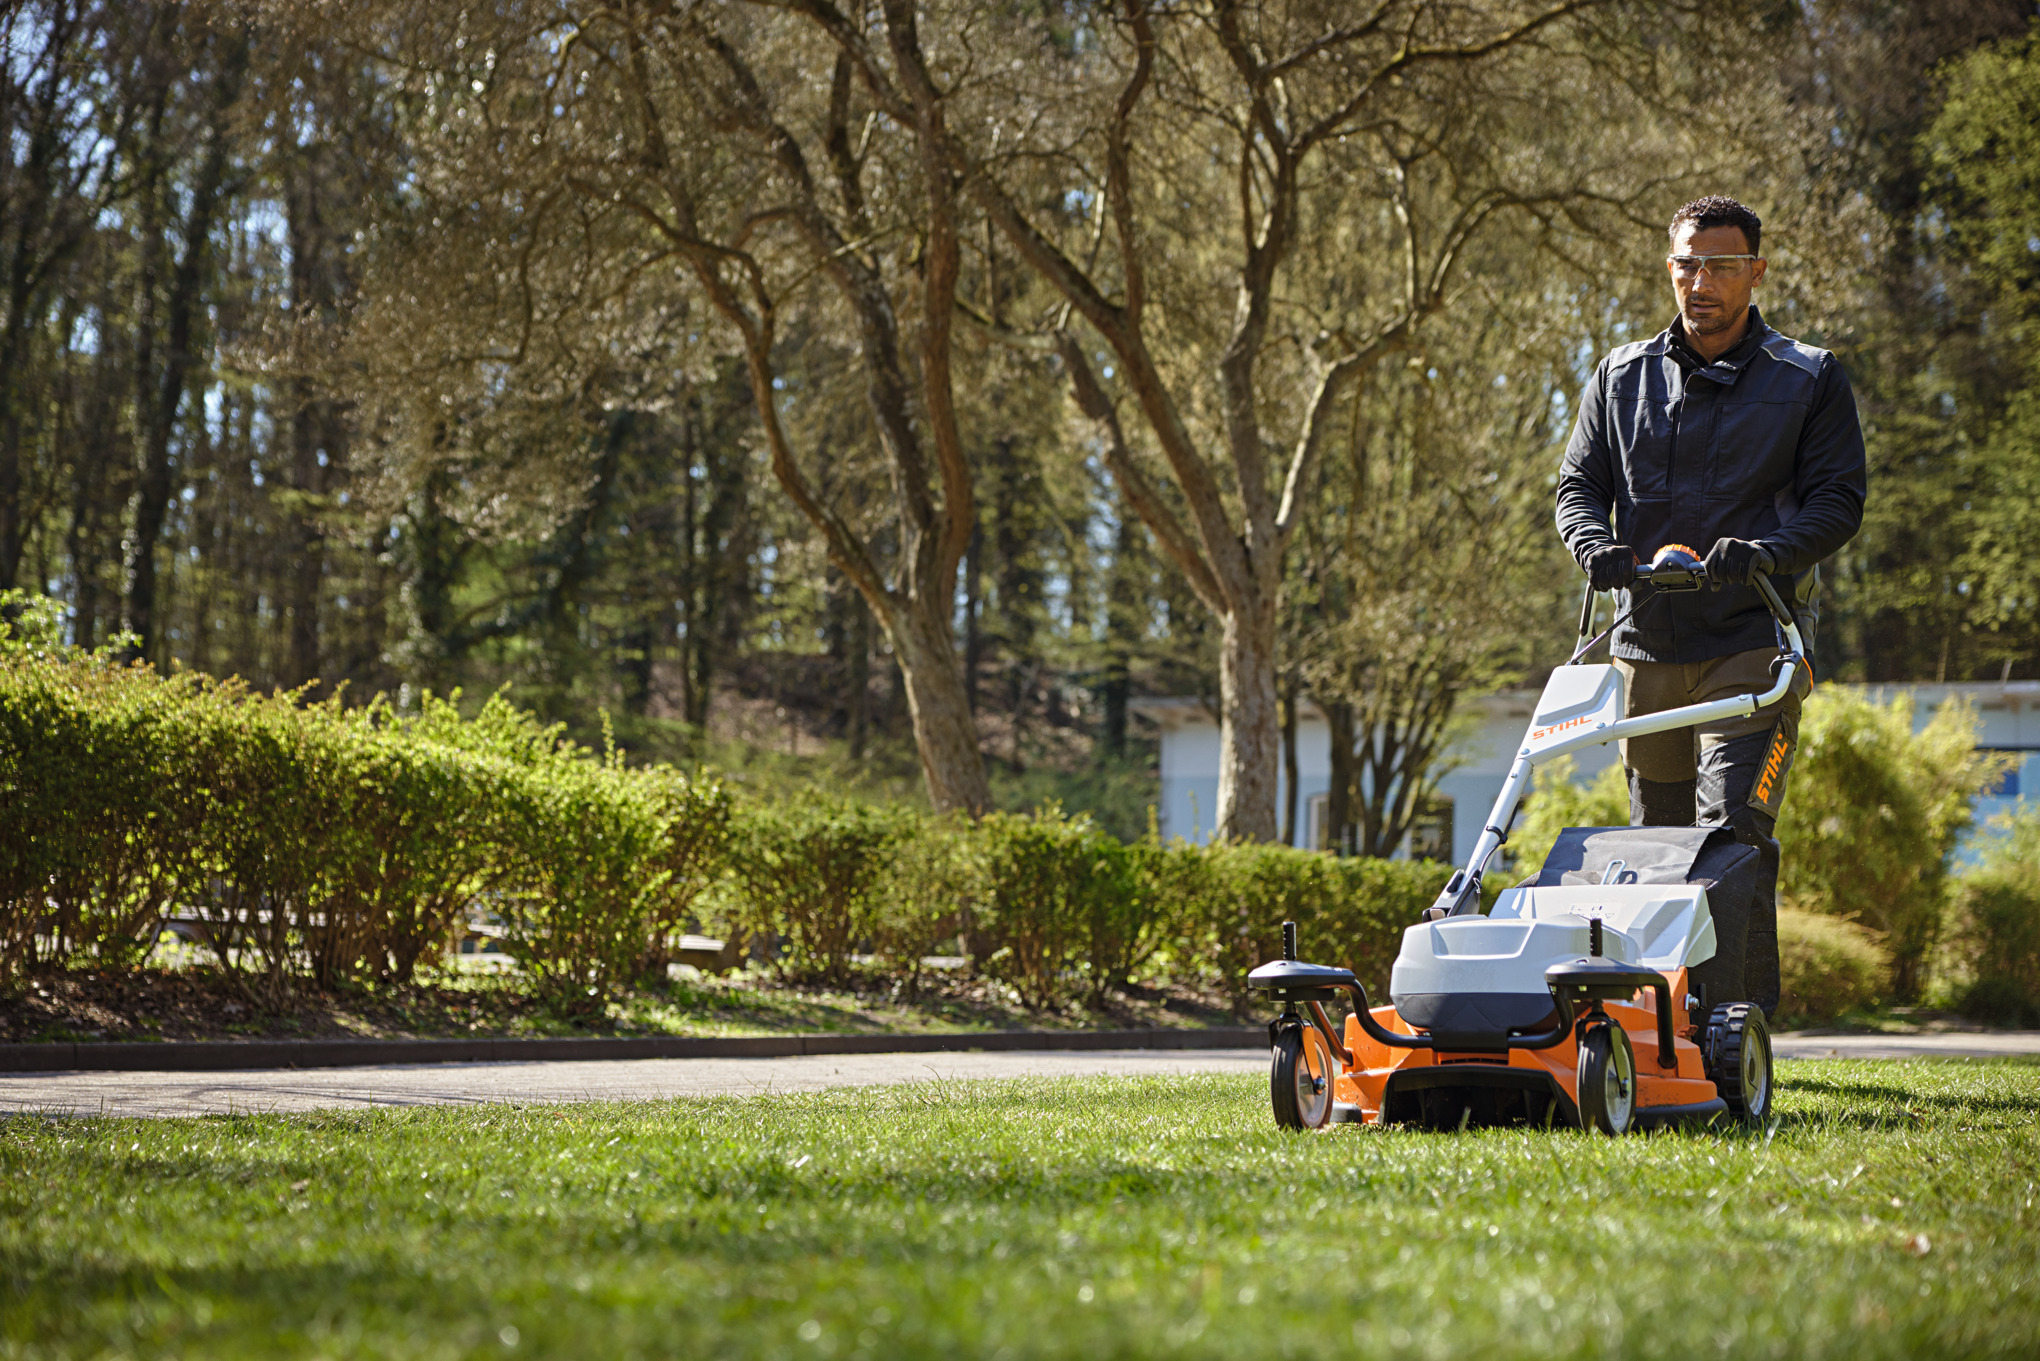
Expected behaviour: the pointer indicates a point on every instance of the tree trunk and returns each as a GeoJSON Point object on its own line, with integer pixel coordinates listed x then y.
{"type": "Point", "coordinates": [943, 731]}
{"type": "Point", "coordinates": [857, 675]}
{"type": "Point", "coordinates": [973, 614]}
{"type": "Point", "coordinates": [307, 545]}
{"type": "Point", "coordinates": [1289, 773]}
{"type": "Point", "coordinates": [1345, 773]}
{"type": "Point", "coordinates": [1250, 727]}
{"type": "Point", "coordinates": [314, 423]}
{"type": "Point", "coordinates": [161, 401]}
{"type": "Point", "coordinates": [1125, 624]}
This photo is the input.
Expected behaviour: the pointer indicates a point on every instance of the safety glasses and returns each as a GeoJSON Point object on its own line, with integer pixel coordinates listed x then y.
{"type": "Point", "coordinates": [1718, 266]}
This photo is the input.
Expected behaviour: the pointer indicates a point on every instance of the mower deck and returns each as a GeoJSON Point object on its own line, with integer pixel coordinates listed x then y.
{"type": "Point", "coordinates": [1434, 1088]}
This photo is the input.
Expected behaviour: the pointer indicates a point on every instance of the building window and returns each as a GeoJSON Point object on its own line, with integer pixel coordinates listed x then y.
{"type": "Point", "coordinates": [2007, 786]}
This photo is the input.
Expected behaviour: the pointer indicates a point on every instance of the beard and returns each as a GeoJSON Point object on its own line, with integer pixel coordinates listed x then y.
{"type": "Point", "coordinates": [1721, 320]}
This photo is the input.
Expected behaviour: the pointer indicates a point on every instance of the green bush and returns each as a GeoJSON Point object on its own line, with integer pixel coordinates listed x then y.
{"type": "Point", "coordinates": [1996, 925]}
{"type": "Point", "coordinates": [1064, 911]}
{"type": "Point", "coordinates": [691, 857]}
{"type": "Point", "coordinates": [1871, 817]}
{"type": "Point", "coordinates": [106, 775]}
{"type": "Point", "coordinates": [1233, 899]}
{"type": "Point", "coordinates": [415, 831]}
{"type": "Point", "coordinates": [317, 843]}
{"type": "Point", "coordinates": [592, 866]}
{"type": "Point", "coordinates": [1872, 814]}
{"type": "Point", "coordinates": [928, 893]}
{"type": "Point", "coordinates": [273, 844]}
{"type": "Point", "coordinates": [582, 839]}
{"type": "Point", "coordinates": [1829, 967]}
{"type": "Point", "coordinates": [320, 844]}
{"type": "Point", "coordinates": [804, 870]}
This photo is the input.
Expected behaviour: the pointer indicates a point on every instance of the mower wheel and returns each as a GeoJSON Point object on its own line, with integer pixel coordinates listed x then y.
{"type": "Point", "coordinates": [1738, 1052]}
{"type": "Point", "coordinates": [1300, 1078]}
{"type": "Point", "coordinates": [1607, 1080]}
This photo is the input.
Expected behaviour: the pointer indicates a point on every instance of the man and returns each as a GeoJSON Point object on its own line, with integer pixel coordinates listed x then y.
{"type": "Point", "coordinates": [1722, 435]}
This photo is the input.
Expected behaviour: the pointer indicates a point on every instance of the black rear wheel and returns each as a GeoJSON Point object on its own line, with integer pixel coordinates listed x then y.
{"type": "Point", "coordinates": [1738, 1053]}
{"type": "Point", "coordinates": [1300, 1078]}
{"type": "Point", "coordinates": [1607, 1080]}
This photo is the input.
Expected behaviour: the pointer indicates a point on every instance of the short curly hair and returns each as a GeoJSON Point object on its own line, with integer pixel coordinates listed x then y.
{"type": "Point", "coordinates": [1719, 210]}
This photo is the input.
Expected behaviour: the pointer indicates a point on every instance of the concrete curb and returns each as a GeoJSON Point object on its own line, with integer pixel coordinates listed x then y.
{"type": "Point", "coordinates": [209, 1056]}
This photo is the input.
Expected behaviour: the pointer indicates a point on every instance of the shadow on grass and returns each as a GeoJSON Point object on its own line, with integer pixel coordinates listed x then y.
{"type": "Point", "coordinates": [1907, 1103]}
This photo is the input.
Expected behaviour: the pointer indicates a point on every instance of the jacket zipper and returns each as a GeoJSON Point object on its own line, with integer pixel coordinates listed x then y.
{"type": "Point", "coordinates": [1678, 419]}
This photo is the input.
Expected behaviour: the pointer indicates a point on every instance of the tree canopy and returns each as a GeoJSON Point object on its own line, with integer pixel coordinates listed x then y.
{"type": "Point", "coordinates": [917, 386]}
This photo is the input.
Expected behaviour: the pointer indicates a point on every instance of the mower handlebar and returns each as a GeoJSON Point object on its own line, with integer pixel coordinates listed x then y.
{"type": "Point", "coordinates": [1673, 576]}
{"type": "Point", "coordinates": [1691, 576]}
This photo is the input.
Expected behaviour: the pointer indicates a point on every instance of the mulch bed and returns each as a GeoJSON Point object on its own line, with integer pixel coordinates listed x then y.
{"type": "Point", "coordinates": [204, 1004]}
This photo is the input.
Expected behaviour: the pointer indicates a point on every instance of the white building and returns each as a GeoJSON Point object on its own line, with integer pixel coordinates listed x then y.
{"type": "Point", "coordinates": [1189, 731]}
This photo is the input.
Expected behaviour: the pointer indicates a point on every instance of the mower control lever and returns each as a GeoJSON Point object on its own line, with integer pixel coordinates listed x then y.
{"type": "Point", "coordinates": [1677, 572]}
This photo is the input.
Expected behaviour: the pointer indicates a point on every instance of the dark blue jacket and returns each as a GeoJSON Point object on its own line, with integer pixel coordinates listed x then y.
{"type": "Point", "coordinates": [1762, 444]}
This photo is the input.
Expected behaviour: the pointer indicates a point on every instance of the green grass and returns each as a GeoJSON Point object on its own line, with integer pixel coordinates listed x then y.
{"type": "Point", "coordinates": [1889, 1213]}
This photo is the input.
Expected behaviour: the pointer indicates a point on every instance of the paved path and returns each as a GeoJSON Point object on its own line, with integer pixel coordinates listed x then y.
{"type": "Point", "coordinates": [112, 1093]}
{"type": "Point", "coordinates": [1945, 1044]}
{"type": "Point", "coordinates": [89, 1093]}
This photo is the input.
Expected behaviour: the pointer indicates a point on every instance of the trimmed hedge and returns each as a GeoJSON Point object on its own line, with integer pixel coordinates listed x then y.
{"type": "Point", "coordinates": [1052, 905]}
{"type": "Point", "coordinates": [318, 844]}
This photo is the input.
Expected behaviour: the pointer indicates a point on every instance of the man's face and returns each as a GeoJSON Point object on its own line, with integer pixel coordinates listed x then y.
{"type": "Point", "coordinates": [1708, 304]}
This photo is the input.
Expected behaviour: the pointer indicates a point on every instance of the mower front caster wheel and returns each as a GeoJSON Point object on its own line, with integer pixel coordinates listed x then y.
{"type": "Point", "coordinates": [1607, 1080]}
{"type": "Point", "coordinates": [1738, 1052]}
{"type": "Point", "coordinates": [1300, 1077]}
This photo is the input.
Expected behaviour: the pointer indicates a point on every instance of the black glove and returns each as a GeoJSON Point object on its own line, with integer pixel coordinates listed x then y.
{"type": "Point", "coordinates": [1610, 568]}
{"type": "Point", "coordinates": [1737, 562]}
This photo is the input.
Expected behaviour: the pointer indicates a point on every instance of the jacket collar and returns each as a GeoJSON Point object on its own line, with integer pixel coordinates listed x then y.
{"type": "Point", "coordinates": [1725, 369]}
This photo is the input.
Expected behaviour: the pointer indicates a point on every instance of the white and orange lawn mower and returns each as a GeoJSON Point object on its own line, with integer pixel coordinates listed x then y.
{"type": "Point", "coordinates": [1592, 995]}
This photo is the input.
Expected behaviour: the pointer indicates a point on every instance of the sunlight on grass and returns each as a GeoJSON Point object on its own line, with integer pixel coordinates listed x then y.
{"type": "Point", "coordinates": [1889, 1213]}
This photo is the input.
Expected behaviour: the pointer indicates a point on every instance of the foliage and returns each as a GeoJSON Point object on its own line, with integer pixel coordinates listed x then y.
{"type": "Point", "coordinates": [30, 622]}
{"type": "Point", "coordinates": [1233, 899]}
{"type": "Point", "coordinates": [1872, 815]}
{"type": "Point", "coordinates": [1870, 820]}
{"type": "Point", "coordinates": [1829, 966]}
{"type": "Point", "coordinates": [1897, 261]}
{"type": "Point", "coordinates": [1560, 801]}
{"type": "Point", "coordinates": [805, 870]}
{"type": "Point", "coordinates": [1428, 570]}
{"type": "Point", "coordinates": [931, 887]}
{"type": "Point", "coordinates": [108, 779]}
{"type": "Point", "coordinates": [1983, 156]}
{"type": "Point", "coordinates": [318, 844]}
{"type": "Point", "coordinates": [1063, 910]}
{"type": "Point", "coordinates": [1996, 921]}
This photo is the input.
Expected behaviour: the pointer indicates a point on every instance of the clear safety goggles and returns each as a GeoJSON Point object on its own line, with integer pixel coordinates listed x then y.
{"type": "Point", "coordinates": [1717, 266]}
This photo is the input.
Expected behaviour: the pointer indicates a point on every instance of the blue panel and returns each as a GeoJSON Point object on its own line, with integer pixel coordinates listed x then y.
{"type": "Point", "coordinates": [2007, 786]}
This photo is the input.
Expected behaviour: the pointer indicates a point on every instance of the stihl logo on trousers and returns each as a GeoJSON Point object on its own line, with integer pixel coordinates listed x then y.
{"type": "Point", "coordinates": [1774, 767]}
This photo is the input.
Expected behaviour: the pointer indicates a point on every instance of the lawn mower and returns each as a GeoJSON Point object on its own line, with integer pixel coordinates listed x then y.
{"type": "Point", "coordinates": [1595, 994]}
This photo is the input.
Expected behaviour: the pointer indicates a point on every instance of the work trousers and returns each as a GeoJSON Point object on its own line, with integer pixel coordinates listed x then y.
{"type": "Point", "coordinates": [1732, 771]}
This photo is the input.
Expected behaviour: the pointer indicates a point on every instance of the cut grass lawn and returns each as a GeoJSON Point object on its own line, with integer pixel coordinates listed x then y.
{"type": "Point", "coordinates": [1888, 1213]}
